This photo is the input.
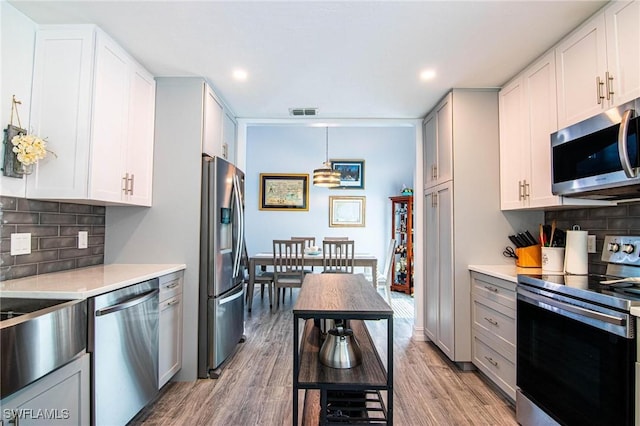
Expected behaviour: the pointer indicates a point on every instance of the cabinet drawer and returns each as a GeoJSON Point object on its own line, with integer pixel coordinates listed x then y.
{"type": "Point", "coordinates": [498, 368]}
{"type": "Point", "coordinates": [494, 289]}
{"type": "Point", "coordinates": [495, 319]}
{"type": "Point", "coordinates": [170, 285]}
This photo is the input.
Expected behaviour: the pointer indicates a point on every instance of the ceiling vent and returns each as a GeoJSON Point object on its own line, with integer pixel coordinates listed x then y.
{"type": "Point", "coordinates": [303, 112]}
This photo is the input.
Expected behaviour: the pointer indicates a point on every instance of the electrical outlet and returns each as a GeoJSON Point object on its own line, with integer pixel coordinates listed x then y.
{"type": "Point", "coordinates": [591, 243]}
{"type": "Point", "coordinates": [20, 244]}
{"type": "Point", "coordinates": [83, 239]}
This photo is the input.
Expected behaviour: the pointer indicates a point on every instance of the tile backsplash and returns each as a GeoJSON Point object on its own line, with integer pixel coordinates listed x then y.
{"type": "Point", "coordinates": [623, 219]}
{"type": "Point", "coordinates": [54, 228]}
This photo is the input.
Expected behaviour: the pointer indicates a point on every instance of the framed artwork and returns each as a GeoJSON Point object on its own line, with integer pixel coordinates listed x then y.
{"type": "Point", "coordinates": [284, 191]}
{"type": "Point", "coordinates": [346, 211]}
{"type": "Point", "coordinates": [351, 173]}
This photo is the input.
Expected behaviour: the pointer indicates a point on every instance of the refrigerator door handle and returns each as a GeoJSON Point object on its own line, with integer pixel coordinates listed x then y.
{"type": "Point", "coordinates": [238, 251]}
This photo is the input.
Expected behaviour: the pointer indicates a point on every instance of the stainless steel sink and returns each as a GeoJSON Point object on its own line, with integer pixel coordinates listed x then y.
{"type": "Point", "coordinates": [38, 336]}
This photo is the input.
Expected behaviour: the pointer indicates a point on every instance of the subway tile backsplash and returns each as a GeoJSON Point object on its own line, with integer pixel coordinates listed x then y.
{"type": "Point", "coordinates": [623, 219]}
{"type": "Point", "coordinates": [54, 228]}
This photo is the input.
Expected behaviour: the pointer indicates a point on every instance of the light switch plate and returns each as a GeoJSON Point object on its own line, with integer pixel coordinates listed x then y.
{"type": "Point", "coordinates": [591, 243]}
{"type": "Point", "coordinates": [20, 244]}
{"type": "Point", "coordinates": [83, 239]}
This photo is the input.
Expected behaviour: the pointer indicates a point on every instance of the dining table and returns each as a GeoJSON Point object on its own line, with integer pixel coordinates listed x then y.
{"type": "Point", "coordinates": [365, 260]}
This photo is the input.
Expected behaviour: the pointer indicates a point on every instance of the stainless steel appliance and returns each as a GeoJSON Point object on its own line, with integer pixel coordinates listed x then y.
{"type": "Point", "coordinates": [599, 158]}
{"type": "Point", "coordinates": [577, 343]}
{"type": "Point", "coordinates": [123, 339]}
{"type": "Point", "coordinates": [221, 305]}
{"type": "Point", "coordinates": [38, 336]}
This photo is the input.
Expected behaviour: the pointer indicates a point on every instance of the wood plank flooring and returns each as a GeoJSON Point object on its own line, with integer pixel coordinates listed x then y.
{"type": "Point", "coordinates": [255, 387]}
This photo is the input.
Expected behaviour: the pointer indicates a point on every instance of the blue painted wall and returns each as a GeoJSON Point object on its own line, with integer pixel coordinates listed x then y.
{"type": "Point", "coordinates": [389, 155]}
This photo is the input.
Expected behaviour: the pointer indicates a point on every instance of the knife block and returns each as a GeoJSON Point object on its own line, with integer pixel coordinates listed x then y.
{"type": "Point", "coordinates": [529, 257]}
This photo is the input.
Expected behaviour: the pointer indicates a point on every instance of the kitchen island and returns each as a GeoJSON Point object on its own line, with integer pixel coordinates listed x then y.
{"type": "Point", "coordinates": [353, 298]}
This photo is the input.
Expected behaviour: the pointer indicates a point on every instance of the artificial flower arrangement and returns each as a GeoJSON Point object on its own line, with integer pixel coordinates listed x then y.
{"type": "Point", "coordinates": [29, 148]}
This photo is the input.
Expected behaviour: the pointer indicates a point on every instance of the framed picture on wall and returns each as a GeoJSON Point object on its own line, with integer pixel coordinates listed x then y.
{"type": "Point", "coordinates": [284, 191]}
{"type": "Point", "coordinates": [346, 211]}
{"type": "Point", "coordinates": [351, 173]}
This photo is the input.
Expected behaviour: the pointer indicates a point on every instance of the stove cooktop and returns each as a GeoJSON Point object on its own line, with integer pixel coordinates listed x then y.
{"type": "Point", "coordinates": [587, 287]}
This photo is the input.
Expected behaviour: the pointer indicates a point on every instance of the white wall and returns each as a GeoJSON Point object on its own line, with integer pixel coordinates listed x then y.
{"type": "Point", "coordinates": [389, 155]}
{"type": "Point", "coordinates": [17, 44]}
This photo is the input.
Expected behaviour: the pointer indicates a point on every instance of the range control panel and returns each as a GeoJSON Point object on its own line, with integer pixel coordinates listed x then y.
{"type": "Point", "coordinates": [621, 249]}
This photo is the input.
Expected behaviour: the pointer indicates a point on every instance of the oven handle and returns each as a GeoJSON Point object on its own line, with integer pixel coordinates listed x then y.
{"type": "Point", "coordinates": [572, 308]}
{"type": "Point", "coordinates": [622, 144]}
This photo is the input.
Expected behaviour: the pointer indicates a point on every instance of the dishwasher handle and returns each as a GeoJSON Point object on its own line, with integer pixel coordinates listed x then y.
{"type": "Point", "coordinates": [127, 304]}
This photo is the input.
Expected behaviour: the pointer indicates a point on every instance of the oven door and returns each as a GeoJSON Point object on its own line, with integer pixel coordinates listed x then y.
{"type": "Point", "coordinates": [577, 373]}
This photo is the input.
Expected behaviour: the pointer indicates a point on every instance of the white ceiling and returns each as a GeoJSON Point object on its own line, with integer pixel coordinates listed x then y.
{"type": "Point", "coordinates": [350, 59]}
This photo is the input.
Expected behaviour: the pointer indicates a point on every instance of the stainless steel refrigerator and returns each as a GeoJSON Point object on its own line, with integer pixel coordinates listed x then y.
{"type": "Point", "coordinates": [221, 300]}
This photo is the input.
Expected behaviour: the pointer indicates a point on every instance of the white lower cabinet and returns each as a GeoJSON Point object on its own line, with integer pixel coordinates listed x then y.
{"type": "Point", "coordinates": [170, 333]}
{"type": "Point", "coordinates": [59, 398]}
{"type": "Point", "coordinates": [494, 330]}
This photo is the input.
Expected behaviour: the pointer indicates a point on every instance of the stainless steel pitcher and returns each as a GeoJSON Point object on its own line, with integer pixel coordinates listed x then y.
{"type": "Point", "coordinates": [340, 349]}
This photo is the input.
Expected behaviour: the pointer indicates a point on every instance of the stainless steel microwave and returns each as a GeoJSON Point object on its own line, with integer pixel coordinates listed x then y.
{"type": "Point", "coordinates": [599, 158]}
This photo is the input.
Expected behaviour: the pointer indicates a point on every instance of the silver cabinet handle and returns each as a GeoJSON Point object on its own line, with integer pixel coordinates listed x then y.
{"type": "Point", "coordinates": [173, 284]}
{"type": "Point", "coordinates": [173, 302]}
{"type": "Point", "coordinates": [491, 321]}
{"type": "Point", "coordinates": [599, 84]}
{"type": "Point", "coordinates": [490, 288]}
{"type": "Point", "coordinates": [609, 85]}
{"type": "Point", "coordinates": [526, 189]}
{"type": "Point", "coordinates": [131, 184]}
{"type": "Point", "coordinates": [492, 361]}
{"type": "Point", "coordinates": [125, 183]}
{"type": "Point", "coordinates": [622, 144]}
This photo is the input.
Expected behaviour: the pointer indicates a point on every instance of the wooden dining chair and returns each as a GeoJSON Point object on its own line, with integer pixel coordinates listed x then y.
{"type": "Point", "coordinates": [336, 238]}
{"type": "Point", "coordinates": [308, 243]}
{"type": "Point", "coordinates": [288, 266]}
{"type": "Point", "coordinates": [261, 276]}
{"type": "Point", "coordinates": [338, 256]}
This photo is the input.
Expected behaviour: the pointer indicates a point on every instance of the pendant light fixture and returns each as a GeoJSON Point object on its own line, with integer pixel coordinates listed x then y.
{"type": "Point", "coordinates": [326, 176]}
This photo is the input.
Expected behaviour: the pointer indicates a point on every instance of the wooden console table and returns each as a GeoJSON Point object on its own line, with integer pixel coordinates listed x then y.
{"type": "Point", "coordinates": [351, 297]}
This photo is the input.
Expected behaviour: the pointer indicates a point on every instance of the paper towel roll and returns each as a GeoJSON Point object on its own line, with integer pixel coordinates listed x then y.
{"type": "Point", "coordinates": [575, 254]}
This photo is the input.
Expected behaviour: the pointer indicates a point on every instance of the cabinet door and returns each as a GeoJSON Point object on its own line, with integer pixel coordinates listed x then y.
{"type": "Point", "coordinates": [139, 162]}
{"type": "Point", "coordinates": [581, 60]}
{"type": "Point", "coordinates": [444, 128]}
{"type": "Point", "coordinates": [446, 284]}
{"type": "Point", "coordinates": [61, 111]}
{"type": "Point", "coordinates": [513, 127]}
{"type": "Point", "coordinates": [431, 293]}
{"type": "Point", "coordinates": [623, 50]}
{"type": "Point", "coordinates": [170, 339]}
{"type": "Point", "coordinates": [109, 122]}
{"type": "Point", "coordinates": [540, 94]}
{"type": "Point", "coordinates": [59, 398]}
{"type": "Point", "coordinates": [212, 125]}
{"type": "Point", "coordinates": [229, 136]}
{"type": "Point", "coordinates": [430, 151]}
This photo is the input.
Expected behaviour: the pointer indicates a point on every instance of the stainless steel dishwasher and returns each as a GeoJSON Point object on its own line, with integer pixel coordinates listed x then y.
{"type": "Point", "coordinates": [123, 340]}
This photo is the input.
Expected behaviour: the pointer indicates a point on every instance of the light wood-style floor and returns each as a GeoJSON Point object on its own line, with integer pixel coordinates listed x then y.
{"type": "Point", "coordinates": [255, 387]}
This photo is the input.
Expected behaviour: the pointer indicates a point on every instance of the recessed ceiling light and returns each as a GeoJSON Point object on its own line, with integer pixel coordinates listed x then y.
{"type": "Point", "coordinates": [240, 75]}
{"type": "Point", "coordinates": [427, 75]}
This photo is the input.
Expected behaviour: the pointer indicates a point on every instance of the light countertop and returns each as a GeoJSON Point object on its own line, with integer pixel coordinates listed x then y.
{"type": "Point", "coordinates": [84, 282]}
{"type": "Point", "coordinates": [505, 272]}
{"type": "Point", "coordinates": [635, 311]}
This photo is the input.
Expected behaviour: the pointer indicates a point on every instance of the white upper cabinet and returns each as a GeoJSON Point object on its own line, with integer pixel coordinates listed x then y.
{"type": "Point", "coordinates": [212, 125]}
{"type": "Point", "coordinates": [229, 137]}
{"type": "Point", "coordinates": [528, 117]}
{"type": "Point", "coordinates": [513, 168]}
{"type": "Point", "coordinates": [95, 105]}
{"type": "Point", "coordinates": [598, 65]}
{"type": "Point", "coordinates": [438, 143]}
{"type": "Point", "coordinates": [622, 22]}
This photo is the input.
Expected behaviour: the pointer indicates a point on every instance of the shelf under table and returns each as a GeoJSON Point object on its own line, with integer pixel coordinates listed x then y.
{"type": "Point", "coordinates": [313, 374]}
